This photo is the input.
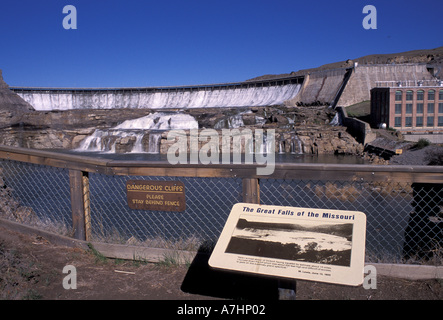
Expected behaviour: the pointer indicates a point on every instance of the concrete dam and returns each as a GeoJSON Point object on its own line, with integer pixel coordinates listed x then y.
{"type": "Point", "coordinates": [329, 87]}
{"type": "Point", "coordinates": [242, 94]}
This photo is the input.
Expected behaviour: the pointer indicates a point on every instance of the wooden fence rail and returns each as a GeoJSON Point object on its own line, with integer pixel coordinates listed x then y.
{"type": "Point", "coordinates": [80, 166]}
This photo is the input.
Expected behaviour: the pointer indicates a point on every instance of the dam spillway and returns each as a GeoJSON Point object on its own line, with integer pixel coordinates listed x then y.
{"type": "Point", "coordinates": [241, 94]}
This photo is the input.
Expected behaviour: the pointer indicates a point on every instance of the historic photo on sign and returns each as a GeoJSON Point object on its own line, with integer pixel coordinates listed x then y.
{"type": "Point", "coordinates": [328, 243]}
{"type": "Point", "coordinates": [301, 243]}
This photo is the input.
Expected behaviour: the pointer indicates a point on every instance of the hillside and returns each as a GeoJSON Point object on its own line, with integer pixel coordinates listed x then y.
{"type": "Point", "coordinates": [432, 57]}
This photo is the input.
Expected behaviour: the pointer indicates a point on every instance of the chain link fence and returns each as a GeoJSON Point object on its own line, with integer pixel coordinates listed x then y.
{"type": "Point", "coordinates": [208, 204]}
{"type": "Point", "coordinates": [404, 219]}
{"type": "Point", "coordinates": [36, 195]}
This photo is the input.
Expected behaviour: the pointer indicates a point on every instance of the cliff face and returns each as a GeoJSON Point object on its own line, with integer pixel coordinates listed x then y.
{"type": "Point", "coordinates": [3, 84]}
{"type": "Point", "coordinates": [12, 107]}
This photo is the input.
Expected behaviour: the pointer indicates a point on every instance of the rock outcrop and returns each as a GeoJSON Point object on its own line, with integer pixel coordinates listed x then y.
{"type": "Point", "coordinates": [57, 130]}
{"type": "Point", "coordinates": [12, 107]}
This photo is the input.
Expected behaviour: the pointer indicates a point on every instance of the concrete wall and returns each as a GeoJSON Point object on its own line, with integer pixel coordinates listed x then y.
{"type": "Point", "coordinates": [433, 138]}
{"type": "Point", "coordinates": [364, 78]}
{"type": "Point", "coordinates": [360, 130]}
{"type": "Point", "coordinates": [321, 87]}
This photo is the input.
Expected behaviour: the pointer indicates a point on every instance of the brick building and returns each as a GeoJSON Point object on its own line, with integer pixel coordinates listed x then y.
{"type": "Point", "coordinates": [415, 108]}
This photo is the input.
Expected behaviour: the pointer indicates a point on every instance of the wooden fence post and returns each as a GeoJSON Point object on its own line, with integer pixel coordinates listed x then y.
{"type": "Point", "coordinates": [78, 204]}
{"type": "Point", "coordinates": [87, 205]}
{"type": "Point", "coordinates": [251, 190]}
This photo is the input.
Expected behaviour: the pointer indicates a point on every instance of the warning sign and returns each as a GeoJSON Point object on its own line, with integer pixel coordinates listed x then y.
{"type": "Point", "coordinates": [156, 195]}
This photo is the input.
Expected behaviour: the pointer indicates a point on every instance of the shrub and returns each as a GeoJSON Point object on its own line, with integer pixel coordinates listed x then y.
{"type": "Point", "coordinates": [422, 143]}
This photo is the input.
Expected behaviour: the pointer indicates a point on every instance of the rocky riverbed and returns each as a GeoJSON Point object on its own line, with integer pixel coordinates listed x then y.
{"type": "Point", "coordinates": [67, 129]}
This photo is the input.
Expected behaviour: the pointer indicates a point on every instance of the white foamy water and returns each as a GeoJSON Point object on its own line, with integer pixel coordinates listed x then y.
{"type": "Point", "coordinates": [236, 121]}
{"type": "Point", "coordinates": [202, 98]}
{"type": "Point", "coordinates": [136, 129]}
{"type": "Point", "coordinates": [160, 121]}
{"type": "Point", "coordinates": [302, 238]}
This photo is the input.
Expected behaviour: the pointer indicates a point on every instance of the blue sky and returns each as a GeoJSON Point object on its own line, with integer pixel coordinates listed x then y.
{"type": "Point", "coordinates": [165, 43]}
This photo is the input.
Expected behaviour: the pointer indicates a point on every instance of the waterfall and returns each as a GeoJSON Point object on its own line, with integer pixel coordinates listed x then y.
{"type": "Point", "coordinates": [263, 144]}
{"type": "Point", "coordinates": [161, 121]}
{"type": "Point", "coordinates": [138, 146]}
{"type": "Point", "coordinates": [281, 145]}
{"type": "Point", "coordinates": [107, 140]}
{"type": "Point", "coordinates": [131, 135]}
{"type": "Point", "coordinates": [296, 144]}
{"type": "Point", "coordinates": [154, 142]}
{"type": "Point", "coordinates": [236, 121]}
{"type": "Point", "coordinates": [336, 121]}
{"type": "Point", "coordinates": [181, 98]}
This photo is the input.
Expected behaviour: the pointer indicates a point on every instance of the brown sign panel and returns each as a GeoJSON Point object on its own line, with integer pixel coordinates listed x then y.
{"type": "Point", "coordinates": [156, 195]}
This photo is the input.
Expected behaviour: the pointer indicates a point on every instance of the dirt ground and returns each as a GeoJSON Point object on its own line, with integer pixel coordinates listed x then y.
{"type": "Point", "coordinates": [32, 268]}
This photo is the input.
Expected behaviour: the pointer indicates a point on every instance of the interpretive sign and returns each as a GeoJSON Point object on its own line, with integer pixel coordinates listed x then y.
{"type": "Point", "coordinates": [289, 242]}
{"type": "Point", "coordinates": [156, 195]}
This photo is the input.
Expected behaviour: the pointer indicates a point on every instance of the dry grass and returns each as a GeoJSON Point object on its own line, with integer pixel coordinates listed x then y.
{"type": "Point", "coordinates": [16, 276]}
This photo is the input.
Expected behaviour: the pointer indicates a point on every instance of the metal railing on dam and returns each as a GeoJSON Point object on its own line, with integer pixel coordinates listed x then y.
{"type": "Point", "coordinates": [87, 198]}
{"type": "Point", "coordinates": [226, 85]}
{"type": "Point", "coordinates": [238, 94]}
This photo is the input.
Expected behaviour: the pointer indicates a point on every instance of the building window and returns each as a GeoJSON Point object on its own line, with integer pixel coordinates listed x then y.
{"type": "Point", "coordinates": [409, 108]}
{"type": "Point", "coordinates": [431, 107]}
{"type": "Point", "coordinates": [440, 121]}
{"type": "Point", "coordinates": [420, 95]}
{"type": "Point", "coordinates": [398, 95]}
{"type": "Point", "coordinates": [419, 122]}
{"type": "Point", "coordinates": [430, 122]}
{"type": "Point", "coordinates": [398, 108]}
{"type": "Point", "coordinates": [431, 95]}
{"type": "Point", "coordinates": [440, 95]}
{"type": "Point", "coordinates": [397, 122]}
{"type": "Point", "coordinates": [419, 107]}
{"type": "Point", "coordinates": [408, 121]}
{"type": "Point", "coordinates": [409, 95]}
{"type": "Point", "coordinates": [440, 107]}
